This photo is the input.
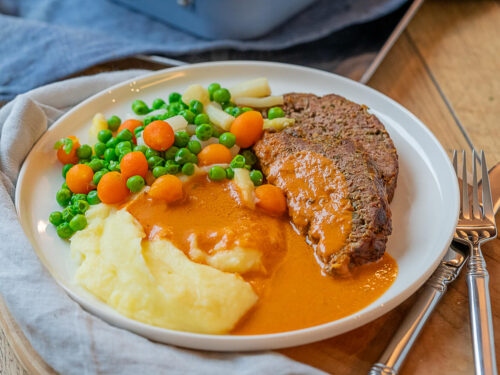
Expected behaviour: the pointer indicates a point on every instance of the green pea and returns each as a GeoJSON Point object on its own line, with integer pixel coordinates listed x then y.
{"type": "Point", "coordinates": [159, 171]}
{"type": "Point", "coordinates": [56, 218]}
{"type": "Point", "coordinates": [174, 97]}
{"type": "Point", "coordinates": [173, 109]}
{"type": "Point", "coordinates": [229, 173]}
{"type": "Point", "coordinates": [114, 123]}
{"type": "Point", "coordinates": [172, 167]}
{"type": "Point", "coordinates": [139, 130]}
{"type": "Point", "coordinates": [216, 131]}
{"type": "Point", "coordinates": [76, 197]}
{"type": "Point", "coordinates": [84, 152]}
{"type": "Point", "coordinates": [227, 139]}
{"type": "Point", "coordinates": [125, 135]}
{"type": "Point", "coordinates": [150, 152]}
{"type": "Point", "coordinates": [158, 103]}
{"type": "Point", "coordinates": [275, 112]}
{"type": "Point", "coordinates": [222, 95]}
{"type": "Point", "coordinates": [141, 148]}
{"type": "Point", "coordinates": [110, 154]}
{"type": "Point", "coordinates": [139, 107]}
{"type": "Point", "coordinates": [228, 104]}
{"type": "Point", "coordinates": [246, 109]}
{"type": "Point", "coordinates": [111, 143]}
{"type": "Point", "coordinates": [114, 166]}
{"type": "Point", "coordinates": [170, 153]}
{"type": "Point", "coordinates": [135, 184]}
{"type": "Point", "coordinates": [147, 120]}
{"type": "Point", "coordinates": [236, 111]}
{"type": "Point", "coordinates": [96, 165]}
{"type": "Point", "coordinates": [181, 138]}
{"type": "Point", "coordinates": [155, 161]}
{"type": "Point", "coordinates": [104, 135]}
{"type": "Point", "coordinates": [168, 114]}
{"type": "Point", "coordinates": [81, 206]}
{"type": "Point", "coordinates": [229, 110]}
{"type": "Point", "coordinates": [196, 106]}
{"type": "Point", "coordinates": [182, 156]}
{"type": "Point", "coordinates": [63, 196]}
{"type": "Point", "coordinates": [93, 198]}
{"type": "Point", "coordinates": [123, 148]}
{"type": "Point", "coordinates": [201, 118]}
{"type": "Point", "coordinates": [64, 185]}
{"type": "Point", "coordinates": [99, 149]}
{"type": "Point", "coordinates": [213, 87]}
{"type": "Point", "coordinates": [250, 157]}
{"type": "Point", "coordinates": [217, 173]}
{"type": "Point", "coordinates": [238, 161]}
{"type": "Point", "coordinates": [79, 222]}
{"type": "Point", "coordinates": [188, 169]}
{"type": "Point", "coordinates": [188, 115]}
{"type": "Point", "coordinates": [65, 169]}
{"type": "Point", "coordinates": [256, 177]}
{"type": "Point", "coordinates": [64, 231]}
{"type": "Point", "coordinates": [194, 146]}
{"type": "Point", "coordinates": [98, 175]}
{"type": "Point", "coordinates": [204, 132]}
{"type": "Point", "coordinates": [68, 213]}
{"type": "Point", "coordinates": [193, 158]}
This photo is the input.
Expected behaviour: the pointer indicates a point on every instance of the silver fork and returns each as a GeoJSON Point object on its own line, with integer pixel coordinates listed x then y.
{"type": "Point", "coordinates": [476, 226]}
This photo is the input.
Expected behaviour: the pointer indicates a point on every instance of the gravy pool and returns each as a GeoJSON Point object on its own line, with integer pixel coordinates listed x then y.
{"type": "Point", "coordinates": [293, 292]}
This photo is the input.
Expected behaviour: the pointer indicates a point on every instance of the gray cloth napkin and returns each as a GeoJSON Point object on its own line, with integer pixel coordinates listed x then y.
{"type": "Point", "coordinates": [68, 338]}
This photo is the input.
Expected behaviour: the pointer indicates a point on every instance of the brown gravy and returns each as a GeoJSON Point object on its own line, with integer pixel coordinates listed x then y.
{"type": "Point", "coordinates": [293, 292]}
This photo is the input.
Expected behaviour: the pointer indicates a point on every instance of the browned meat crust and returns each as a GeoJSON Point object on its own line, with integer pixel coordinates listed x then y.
{"type": "Point", "coordinates": [371, 218]}
{"type": "Point", "coordinates": [331, 117]}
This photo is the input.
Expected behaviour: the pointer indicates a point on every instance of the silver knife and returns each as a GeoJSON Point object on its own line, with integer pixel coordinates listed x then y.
{"type": "Point", "coordinates": [430, 294]}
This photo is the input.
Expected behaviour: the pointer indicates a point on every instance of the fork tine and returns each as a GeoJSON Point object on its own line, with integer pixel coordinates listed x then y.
{"type": "Point", "coordinates": [487, 201]}
{"type": "Point", "coordinates": [476, 210]}
{"type": "Point", "coordinates": [465, 188]}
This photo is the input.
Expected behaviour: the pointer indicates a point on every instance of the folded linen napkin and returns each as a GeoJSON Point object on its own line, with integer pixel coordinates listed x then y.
{"type": "Point", "coordinates": [41, 41]}
{"type": "Point", "coordinates": [68, 338]}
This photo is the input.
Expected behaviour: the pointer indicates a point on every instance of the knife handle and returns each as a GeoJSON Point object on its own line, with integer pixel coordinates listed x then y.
{"type": "Point", "coordinates": [430, 294]}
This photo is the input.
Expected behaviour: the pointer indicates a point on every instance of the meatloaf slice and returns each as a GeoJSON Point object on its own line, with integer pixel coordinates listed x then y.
{"type": "Point", "coordinates": [371, 217]}
{"type": "Point", "coordinates": [332, 117]}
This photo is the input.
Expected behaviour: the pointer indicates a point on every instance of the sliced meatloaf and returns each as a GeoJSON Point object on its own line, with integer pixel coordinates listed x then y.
{"type": "Point", "coordinates": [371, 218]}
{"type": "Point", "coordinates": [332, 117]}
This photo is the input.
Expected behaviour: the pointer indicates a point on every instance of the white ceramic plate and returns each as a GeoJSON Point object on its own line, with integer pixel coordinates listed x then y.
{"type": "Point", "coordinates": [424, 209]}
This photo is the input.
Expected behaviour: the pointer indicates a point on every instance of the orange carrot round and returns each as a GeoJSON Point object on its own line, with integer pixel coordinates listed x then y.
{"type": "Point", "coordinates": [247, 128]}
{"type": "Point", "coordinates": [271, 199]}
{"type": "Point", "coordinates": [112, 188]}
{"type": "Point", "coordinates": [214, 154]}
{"type": "Point", "coordinates": [167, 188]}
{"type": "Point", "coordinates": [130, 124]}
{"type": "Point", "coordinates": [134, 164]}
{"type": "Point", "coordinates": [158, 135]}
{"type": "Point", "coordinates": [70, 158]}
{"type": "Point", "coordinates": [79, 179]}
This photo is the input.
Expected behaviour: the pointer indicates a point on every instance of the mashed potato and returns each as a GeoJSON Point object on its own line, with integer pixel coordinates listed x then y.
{"type": "Point", "coordinates": [153, 281]}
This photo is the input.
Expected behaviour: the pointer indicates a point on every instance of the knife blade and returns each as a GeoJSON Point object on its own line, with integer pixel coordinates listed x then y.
{"type": "Point", "coordinates": [393, 357]}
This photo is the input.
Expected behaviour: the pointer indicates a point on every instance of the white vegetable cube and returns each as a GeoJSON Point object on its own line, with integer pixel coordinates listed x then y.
{"type": "Point", "coordinates": [268, 101]}
{"type": "Point", "coordinates": [196, 92]}
{"type": "Point", "coordinates": [255, 88]}
{"type": "Point", "coordinates": [219, 117]}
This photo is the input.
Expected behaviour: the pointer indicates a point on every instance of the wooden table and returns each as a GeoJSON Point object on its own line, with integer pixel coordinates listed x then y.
{"type": "Point", "coordinates": [445, 68]}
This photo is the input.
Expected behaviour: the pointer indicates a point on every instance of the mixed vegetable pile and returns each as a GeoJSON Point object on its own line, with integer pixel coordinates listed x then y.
{"type": "Point", "coordinates": [208, 130]}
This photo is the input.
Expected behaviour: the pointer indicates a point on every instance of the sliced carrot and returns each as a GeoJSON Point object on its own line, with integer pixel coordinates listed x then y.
{"type": "Point", "coordinates": [130, 124]}
{"type": "Point", "coordinates": [214, 154]}
{"type": "Point", "coordinates": [247, 128]}
{"type": "Point", "coordinates": [271, 199]}
{"type": "Point", "coordinates": [133, 164]}
{"type": "Point", "coordinates": [112, 188]}
{"type": "Point", "coordinates": [167, 188]}
{"type": "Point", "coordinates": [158, 135]}
{"type": "Point", "coordinates": [79, 179]}
{"type": "Point", "coordinates": [71, 157]}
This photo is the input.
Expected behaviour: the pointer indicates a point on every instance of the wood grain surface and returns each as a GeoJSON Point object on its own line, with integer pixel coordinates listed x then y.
{"type": "Point", "coordinates": [445, 68]}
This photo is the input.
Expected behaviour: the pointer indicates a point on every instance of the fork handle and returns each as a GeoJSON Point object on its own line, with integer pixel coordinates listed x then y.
{"type": "Point", "coordinates": [429, 296]}
{"type": "Point", "coordinates": [480, 313]}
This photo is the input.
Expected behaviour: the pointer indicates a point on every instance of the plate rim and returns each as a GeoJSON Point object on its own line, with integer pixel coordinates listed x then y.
{"type": "Point", "coordinates": [254, 342]}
